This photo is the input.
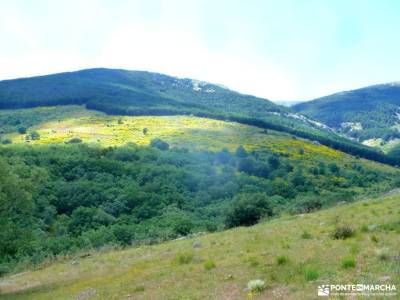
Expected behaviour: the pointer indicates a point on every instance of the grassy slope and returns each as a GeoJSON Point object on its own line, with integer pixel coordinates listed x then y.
{"type": "Point", "coordinates": [240, 255]}
{"type": "Point", "coordinates": [179, 131]}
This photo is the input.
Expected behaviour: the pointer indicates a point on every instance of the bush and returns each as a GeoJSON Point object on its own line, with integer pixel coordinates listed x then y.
{"type": "Point", "coordinates": [184, 258]}
{"type": "Point", "coordinates": [364, 228]}
{"type": "Point", "coordinates": [34, 135]}
{"type": "Point", "coordinates": [281, 260]}
{"type": "Point", "coordinates": [124, 234]}
{"type": "Point", "coordinates": [246, 165]}
{"type": "Point", "coordinates": [306, 235]}
{"type": "Point", "coordinates": [183, 226]}
{"type": "Point", "coordinates": [22, 130]}
{"type": "Point", "coordinates": [310, 274]}
{"type": "Point", "coordinates": [139, 288]}
{"type": "Point", "coordinates": [241, 152]}
{"type": "Point", "coordinates": [75, 140]}
{"type": "Point", "coordinates": [348, 262]}
{"type": "Point", "coordinates": [208, 265]}
{"type": "Point", "coordinates": [248, 209]}
{"type": "Point", "coordinates": [6, 142]}
{"type": "Point", "coordinates": [343, 232]}
{"type": "Point", "coordinates": [256, 285]}
{"type": "Point", "coordinates": [159, 144]}
{"type": "Point", "coordinates": [308, 204]}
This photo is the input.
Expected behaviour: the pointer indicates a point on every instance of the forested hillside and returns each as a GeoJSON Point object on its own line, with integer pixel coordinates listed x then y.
{"type": "Point", "coordinates": [76, 179]}
{"type": "Point", "coordinates": [365, 114]}
{"type": "Point", "coordinates": [121, 92]}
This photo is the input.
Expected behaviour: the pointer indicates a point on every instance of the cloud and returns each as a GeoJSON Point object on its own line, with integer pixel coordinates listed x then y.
{"type": "Point", "coordinates": [284, 51]}
{"type": "Point", "coordinates": [178, 52]}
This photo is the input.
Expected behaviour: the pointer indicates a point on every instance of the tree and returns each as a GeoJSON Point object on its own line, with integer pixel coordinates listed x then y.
{"type": "Point", "coordinates": [241, 152]}
{"type": "Point", "coordinates": [159, 144]}
{"type": "Point", "coordinates": [246, 165]}
{"type": "Point", "coordinates": [145, 130]}
{"type": "Point", "coordinates": [183, 226]}
{"type": "Point", "coordinates": [16, 213]}
{"type": "Point", "coordinates": [34, 135]}
{"type": "Point", "coordinates": [84, 218]}
{"type": "Point", "coordinates": [307, 204]}
{"type": "Point", "coordinates": [6, 141]}
{"type": "Point", "coordinates": [334, 168]}
{"type": "Point", "coordinates": [22, 130]}
{"type": "Point", "coordinates": [248, 209]}
{"type": "Point", "coordinates": [274, 161]}
{"type": "Point", "coordinates": [224, 157]}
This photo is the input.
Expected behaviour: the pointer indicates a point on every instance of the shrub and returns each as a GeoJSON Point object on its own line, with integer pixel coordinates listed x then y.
{"type": "Point", "coordinates": [308, 204]}
{"type": "Point", "coordinates": [248, 209]}
{"type": "Point", "coordinates": [256, 285]}
{"type": "Point", "coordinates": [183, 226]}
{"type": "Point", "coordinates": [184, 258]}
{"type": "Point", "coordinates": [375, 239]}
{"type": "Point", "coordinates": [159, 144]}
{"type": "Point", "coordinates": [246, 165]}
{"type": "Point", "coordinates": [343, 232]}
{"type": "Point", "coordinates": [34, 135]}
{"type": "Point", "coordinates": [208, 265]}
{"type": "Point", "coordinates": [334, 168]}
{"type": "Point", "coordinates": [348, 262]}
{"type": "Point", "coordinates": [310, 274]}
{"type": "Point", "coordinates": [75, 140]}
{"type": "Point", "coordinates": [22, 130]}
{"type": "Point", "coordinates": [6, 141]}
{"type": "Point", "coordinates": [281, 260]}
{"type": "Point", "coordinates": [241, 152]}
{"type": "Point", "coordinates": [139, 288]}
{"type": "Point", "coordinates": [306, 235]}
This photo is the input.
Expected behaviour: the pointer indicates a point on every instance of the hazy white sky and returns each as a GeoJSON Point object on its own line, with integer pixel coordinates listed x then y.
{"type": "Point", "coordinates": [280, 50]}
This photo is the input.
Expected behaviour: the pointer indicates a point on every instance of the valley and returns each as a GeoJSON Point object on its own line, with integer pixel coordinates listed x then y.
{"type": "Point", "coordinates": [125, 174]}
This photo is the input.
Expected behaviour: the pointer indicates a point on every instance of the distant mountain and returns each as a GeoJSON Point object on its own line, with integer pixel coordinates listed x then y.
{"type": "Point", "coordinates": [122, 92]}
{"type": "Point", "coordinates": [128, 89]}
{"type": "Point", "coordinates": [367, 113]}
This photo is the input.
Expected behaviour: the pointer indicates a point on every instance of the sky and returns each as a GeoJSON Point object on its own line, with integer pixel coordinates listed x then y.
{"type": "Point", "coordinates": [285, 50]}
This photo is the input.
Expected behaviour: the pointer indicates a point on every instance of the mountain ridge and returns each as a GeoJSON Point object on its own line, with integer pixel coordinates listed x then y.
{"type": "Point", "coordinates": [366, 113]}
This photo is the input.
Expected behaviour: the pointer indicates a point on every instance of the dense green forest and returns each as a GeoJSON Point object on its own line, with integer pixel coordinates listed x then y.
{"type": "Point", "coordinates": [376, 108]}
{"type": "Point", "coordinates": [60, 199]}
{"type": "Point", "coordinates": [121, 92]}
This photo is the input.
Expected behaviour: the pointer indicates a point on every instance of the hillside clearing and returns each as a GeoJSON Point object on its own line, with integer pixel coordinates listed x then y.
{"type": "Point", "coordinates": [193, 133]}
